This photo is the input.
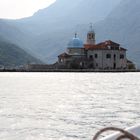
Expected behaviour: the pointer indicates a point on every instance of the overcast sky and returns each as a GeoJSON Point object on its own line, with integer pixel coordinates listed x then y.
{"type": "Point", "coordinates": [14, 9]}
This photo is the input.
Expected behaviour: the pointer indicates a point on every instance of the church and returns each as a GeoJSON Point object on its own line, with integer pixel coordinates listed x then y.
{"type": "Point", "coordinates": [107, 55]}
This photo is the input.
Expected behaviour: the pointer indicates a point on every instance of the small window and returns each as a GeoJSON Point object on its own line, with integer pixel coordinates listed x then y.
{"type": "Point", "coordinates": [108, 56]}
{"type": "Point", "coordinates": [96, 55]}
{"type": "Point", "coordinates": [114, 56]}
{"type": "Point", "coordinates": [121, 56]}
{"type": "Point", "coordinates": [91, 56]}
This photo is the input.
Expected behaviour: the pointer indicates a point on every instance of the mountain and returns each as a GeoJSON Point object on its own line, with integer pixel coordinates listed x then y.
{"type": "Point", "coordinates": [63, 12]}
{"type": "Point", "coordinates": [123, 25]}
{"type": "Point", "coordinates": [16, 35]}
{"type": "Point", "coordinates": [11, 55]}
{"type": "Point", "coordinates": [48, 31]}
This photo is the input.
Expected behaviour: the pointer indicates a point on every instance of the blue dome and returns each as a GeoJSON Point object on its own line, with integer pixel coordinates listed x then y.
{"type": "Point", "coordinates": [75, 43]}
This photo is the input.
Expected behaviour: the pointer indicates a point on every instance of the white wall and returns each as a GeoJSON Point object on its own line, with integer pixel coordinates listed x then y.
{"type": "Point", "coordinates": [101, 62]}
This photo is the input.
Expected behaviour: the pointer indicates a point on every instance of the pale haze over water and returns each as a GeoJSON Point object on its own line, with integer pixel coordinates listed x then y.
{"type": "Point", "coordinates": [66, 106]}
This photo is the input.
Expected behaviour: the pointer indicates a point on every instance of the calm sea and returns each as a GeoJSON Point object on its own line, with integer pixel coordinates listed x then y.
{"type": "Point", "coordinates": [66, 106]}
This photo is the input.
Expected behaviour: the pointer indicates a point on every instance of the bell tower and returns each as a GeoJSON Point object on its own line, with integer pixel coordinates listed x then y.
{"type": "Point", "coordinates": [91, 36]}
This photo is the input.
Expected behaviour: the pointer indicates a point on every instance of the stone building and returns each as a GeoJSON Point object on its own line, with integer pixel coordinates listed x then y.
{"type": "Point", "coordinates": [104, 55]}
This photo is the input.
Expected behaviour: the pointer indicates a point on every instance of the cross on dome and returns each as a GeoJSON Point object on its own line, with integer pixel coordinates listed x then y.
{"type": "Point", "coordinates": [75, 35]}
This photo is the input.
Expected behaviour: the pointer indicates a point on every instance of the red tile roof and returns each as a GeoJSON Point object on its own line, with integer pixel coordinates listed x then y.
{"type": "Point", "coordinates": [107, 45]}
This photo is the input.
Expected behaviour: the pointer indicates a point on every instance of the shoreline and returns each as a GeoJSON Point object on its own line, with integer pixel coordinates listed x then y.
{"type": "Point", "coordinates": [71, 70]}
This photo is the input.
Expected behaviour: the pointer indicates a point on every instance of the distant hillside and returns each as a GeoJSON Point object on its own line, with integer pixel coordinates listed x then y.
{"type": "Point", "coordinates": [64, 14]}
{"type": "Point", "coordinates": [16, 34]}
{"type": "Point", "coordinates": [123, 25]}
{"type": "Point", "coordinates": [12, 55]}
{"type": "Point", "coordinates": [47, 32]}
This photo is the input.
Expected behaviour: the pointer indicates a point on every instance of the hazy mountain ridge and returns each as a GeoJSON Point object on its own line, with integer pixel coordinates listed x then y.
{"type": "Point", "coordinates": [11, 55]}
{"type": "Point", "coordinates": [123, 25]}
{"type": "Point", "coordinates": [54, 26]}
{"type": "Point", "coordinates": [48, 31]}
{"type": "Point", "coordinates": [65, 14]}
